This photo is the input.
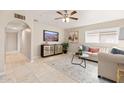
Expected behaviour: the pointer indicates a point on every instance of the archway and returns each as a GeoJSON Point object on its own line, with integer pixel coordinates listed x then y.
{"type": "Point", "coordinates": [18, 39]}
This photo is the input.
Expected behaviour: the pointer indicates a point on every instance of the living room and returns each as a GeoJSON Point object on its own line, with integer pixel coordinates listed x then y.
{"type": "Point", "coordinates": [64, 46]}
{"type": "Point", "coordinates": [94, 34]}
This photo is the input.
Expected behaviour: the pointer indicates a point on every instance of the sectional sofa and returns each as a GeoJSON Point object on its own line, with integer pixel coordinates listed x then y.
{"type": "Point", "coordinates": [107, 61]}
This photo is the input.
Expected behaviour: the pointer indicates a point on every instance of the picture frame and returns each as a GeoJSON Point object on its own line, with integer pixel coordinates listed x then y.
{"type": "Point", "coordinates": [73, 37]}
{"type": "Point", "coordinates": [50, 36]}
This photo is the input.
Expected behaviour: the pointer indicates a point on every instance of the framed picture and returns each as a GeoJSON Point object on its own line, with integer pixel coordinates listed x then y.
{"type": "Point", "coordinates": [50, 36]}
{"type": "Point", "coordinates": [73, 36]}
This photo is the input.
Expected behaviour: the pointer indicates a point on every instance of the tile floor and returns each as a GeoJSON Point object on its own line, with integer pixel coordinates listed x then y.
{"type": "Point", "coordinates": [48, 70]}
{"type": "Point", "coordinates": [20, 70]}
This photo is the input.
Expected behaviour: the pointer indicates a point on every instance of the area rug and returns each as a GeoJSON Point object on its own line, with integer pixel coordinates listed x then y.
{"type": "Point", "coordinates": [63, 64]}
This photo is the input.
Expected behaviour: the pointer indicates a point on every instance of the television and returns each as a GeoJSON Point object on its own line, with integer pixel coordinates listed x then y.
{"type": "Point", "coordinates": [50, 35]}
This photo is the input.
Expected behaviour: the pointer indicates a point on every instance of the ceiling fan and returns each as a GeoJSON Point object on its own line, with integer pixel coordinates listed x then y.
{"type": "Point", "coordinates": [66, 16]}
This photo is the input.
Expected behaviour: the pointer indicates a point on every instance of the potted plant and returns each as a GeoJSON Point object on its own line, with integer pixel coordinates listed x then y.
{"type": "Point", "coordinates": [80, 51]}
{"type": "Point", "coordinates": [65, 47]}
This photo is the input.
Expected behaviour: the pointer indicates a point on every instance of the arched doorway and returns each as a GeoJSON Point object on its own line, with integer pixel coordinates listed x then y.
{"type": "Point", "coordinates": [18, 42]}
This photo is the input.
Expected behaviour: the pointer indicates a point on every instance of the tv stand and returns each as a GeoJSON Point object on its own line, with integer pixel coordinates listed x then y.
{"type": "Point", "coordinates": [51, 49]}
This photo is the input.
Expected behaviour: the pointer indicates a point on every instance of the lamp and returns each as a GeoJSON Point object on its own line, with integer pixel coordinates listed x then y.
{"type": "Point", "coordinates": [65, 19]}
{"type": "Point", "coordinates": [121, 35]}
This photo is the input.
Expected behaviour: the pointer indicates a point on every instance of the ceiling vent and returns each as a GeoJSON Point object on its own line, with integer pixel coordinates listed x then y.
{"type": "Point", "coordinates": [19, 16]}
{"type": "Point", "coordinates": [35, 20]}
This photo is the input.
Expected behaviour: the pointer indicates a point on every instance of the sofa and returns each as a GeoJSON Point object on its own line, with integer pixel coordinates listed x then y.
{"type": "Point", "coordinates": [94, 55]}
{"type": "Point", "coordinates": [107, 65]}
{"type": "Point", "coordinates": [107, 58]}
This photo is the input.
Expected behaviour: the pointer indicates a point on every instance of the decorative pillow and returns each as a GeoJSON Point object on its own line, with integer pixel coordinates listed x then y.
{"type": "Point", "coordinates": [117, 51]}
{"type": "Point", "coordinates": [85, 48]}
{"type": "Point", "coordinates": [94, 50]}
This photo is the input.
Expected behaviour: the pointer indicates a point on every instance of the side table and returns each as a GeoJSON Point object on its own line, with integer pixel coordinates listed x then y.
{"type": "Point", "coordinates": [120, 72]}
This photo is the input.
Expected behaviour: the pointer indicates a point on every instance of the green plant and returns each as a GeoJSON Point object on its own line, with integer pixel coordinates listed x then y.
{"type": "Point", "coordinates": [65, 47]}
{"type": "Point", "coordinates": [80, 51]}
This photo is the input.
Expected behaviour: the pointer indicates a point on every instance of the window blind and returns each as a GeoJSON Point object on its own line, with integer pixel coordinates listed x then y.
{"type": "Point", "coordinates": [101, 36]}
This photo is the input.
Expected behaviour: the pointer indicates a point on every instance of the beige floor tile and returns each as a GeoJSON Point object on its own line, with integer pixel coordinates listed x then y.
{"type": "Point", "coordinates": [55, 69]}
{"type": "Point", "coordinates": [7, 78]}
{"type": "Point", "coordinates": [20, 70]}
{"type": "Point", "coordinates": [30, 78]}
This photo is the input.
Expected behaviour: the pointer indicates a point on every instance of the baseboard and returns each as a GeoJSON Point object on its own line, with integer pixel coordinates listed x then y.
{"type": "Point", "coordinates": [12, 52]}
{"type": "Point", "coordinates": [36, 57]}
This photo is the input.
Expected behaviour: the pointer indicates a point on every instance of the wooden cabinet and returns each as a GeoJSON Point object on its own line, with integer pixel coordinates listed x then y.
{"type": "Point", "coordinates": [58, 49]}
{"type": "Point", "coordinates": [49, 50]}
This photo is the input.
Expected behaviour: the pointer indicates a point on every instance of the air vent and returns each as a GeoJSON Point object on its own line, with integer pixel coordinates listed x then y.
{"type": "Point", "coordinates": [35, 20]}
{"type": "Point", "coordinates": [19, 16]}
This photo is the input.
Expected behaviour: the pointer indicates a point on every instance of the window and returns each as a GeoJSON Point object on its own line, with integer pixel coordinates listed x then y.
{"type": "Point", "coordinates": [102, 36]}
{"type": "Point", "coordinates": [109, 37]}
{"type": "Point", "coordinates": [92, 37]}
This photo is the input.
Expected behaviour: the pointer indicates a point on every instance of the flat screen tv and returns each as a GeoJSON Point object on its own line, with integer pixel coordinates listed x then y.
{"type": "Point", "coordinates": [50, 35]}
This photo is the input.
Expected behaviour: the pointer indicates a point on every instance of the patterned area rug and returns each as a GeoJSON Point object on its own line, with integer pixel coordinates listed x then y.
{"type": "Point", "coordinates": [75, 72]}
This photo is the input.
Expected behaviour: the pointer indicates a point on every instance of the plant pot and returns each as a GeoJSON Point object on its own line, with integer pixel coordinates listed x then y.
{"type": "Point", "coordinates": [80, 52]}
{"type": "Point", "coordinates": [65, 51]}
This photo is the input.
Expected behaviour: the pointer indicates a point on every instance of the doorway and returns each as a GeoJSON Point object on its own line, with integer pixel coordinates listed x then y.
{"type": "Point", "coordinates": [18, 44]}
{"type": "Point", "coordinates": [11, 42]}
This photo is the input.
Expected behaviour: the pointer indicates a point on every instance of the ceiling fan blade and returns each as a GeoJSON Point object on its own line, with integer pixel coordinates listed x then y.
{"type": "Point", "coordinates": [73, 18]}
{"type": "Point", "coordinates": [74, 12]}
{"type": "Point", "coordinates": [58, 18]}
{"type": "Point", "coordinates": [59, 13]}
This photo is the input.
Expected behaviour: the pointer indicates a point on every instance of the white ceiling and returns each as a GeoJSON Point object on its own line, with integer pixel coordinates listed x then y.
{"type": "Point", "coordinates": [86, 17]}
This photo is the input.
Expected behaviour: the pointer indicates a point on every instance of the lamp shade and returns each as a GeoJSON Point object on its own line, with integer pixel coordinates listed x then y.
{"type": "Point", "coordinates": [121, 35]}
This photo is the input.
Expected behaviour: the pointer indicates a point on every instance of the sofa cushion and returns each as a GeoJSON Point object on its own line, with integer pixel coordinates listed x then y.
{"type": "Point", "coordinates": [117, 51]}
{"type": "Point", "coordinates": [85, 48]}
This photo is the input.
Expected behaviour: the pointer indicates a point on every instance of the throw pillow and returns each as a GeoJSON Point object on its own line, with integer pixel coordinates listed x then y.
{"type": "Point", "coordinates": [94, 50]}
{"type": "Point", "coordinates": [117, 51]}
{"type": "Point", "coordinates": [85, 48]}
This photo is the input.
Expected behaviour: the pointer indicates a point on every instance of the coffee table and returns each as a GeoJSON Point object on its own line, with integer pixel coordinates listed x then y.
{"type": "Point", "coordinates": [84, 57]}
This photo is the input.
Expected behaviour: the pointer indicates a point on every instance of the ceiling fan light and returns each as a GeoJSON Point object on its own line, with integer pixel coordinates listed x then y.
{"type": "Point", "coordinates": [67, 19]}
{"type": "Point", "coordinates": [63, 20]}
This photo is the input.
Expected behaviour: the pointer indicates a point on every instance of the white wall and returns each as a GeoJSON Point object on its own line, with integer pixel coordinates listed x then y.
{"type": "Point", "coordinates": [26, 43]}
{"type": "Point", "coordinates": [2, 43]}
{"type": "Point", "coordinates": [38, 34]}
{"type": "Point", "coordinates": [111, 24]}
{"type": "Point", "coordinates": [11, 41]}
{"type": "Point", "coordinates": [2, 50]}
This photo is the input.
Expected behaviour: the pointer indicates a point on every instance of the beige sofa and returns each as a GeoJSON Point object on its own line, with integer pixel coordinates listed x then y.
{"type": "Point", "coordinates": [107, 65]}
{"type": "Point", "coordinates": [94, 56]}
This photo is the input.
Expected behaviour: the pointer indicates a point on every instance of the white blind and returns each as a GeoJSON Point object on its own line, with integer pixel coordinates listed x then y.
{"type": "Point", "coordinates": [101, 36]}
{"type": "Point", "coordinates": [92, 37]}
{"type": "Point", "coordinates": [109, 37]}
